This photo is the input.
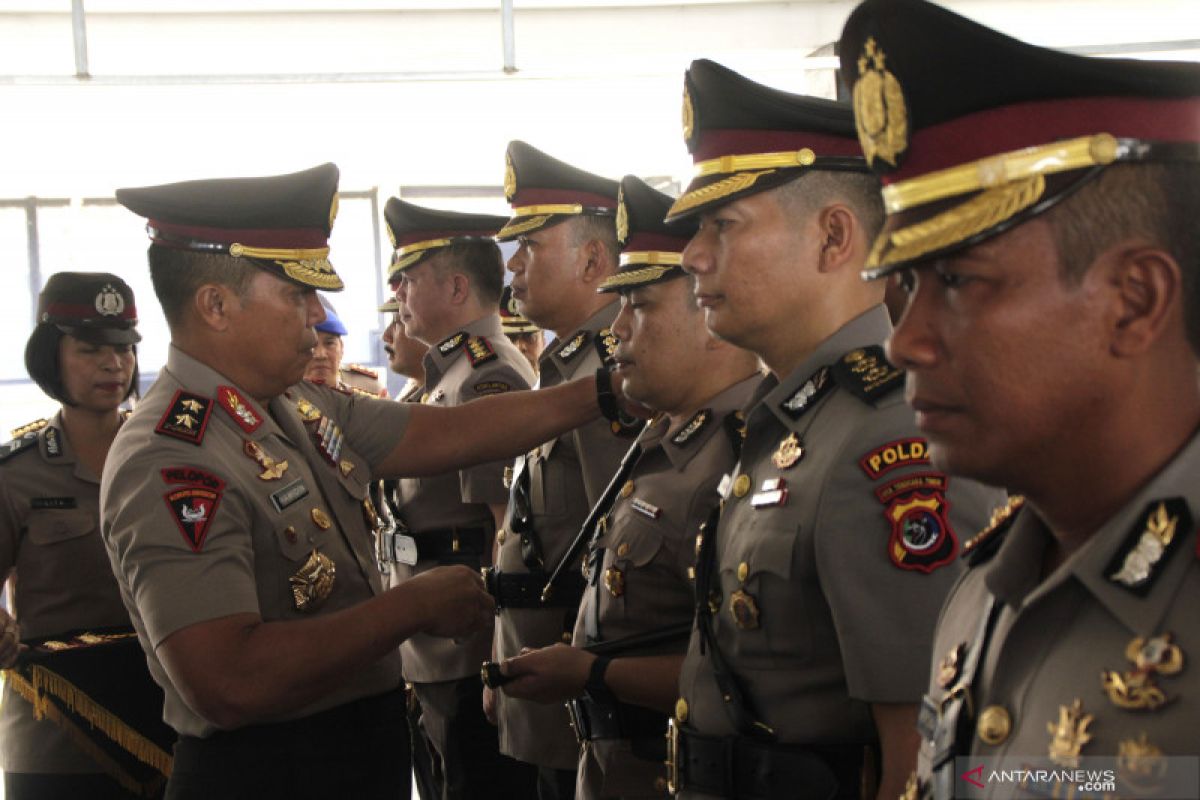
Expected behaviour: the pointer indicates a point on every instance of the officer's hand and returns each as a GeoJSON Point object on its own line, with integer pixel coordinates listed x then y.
{"type": "Point", "coordinates": [454, 600]}
{"type": "Point", "coordinates": [550, 675]}
{"type": "Point", "coordinates": [489, 704]}
{"type": "Point", "coordinates": [10, 640]}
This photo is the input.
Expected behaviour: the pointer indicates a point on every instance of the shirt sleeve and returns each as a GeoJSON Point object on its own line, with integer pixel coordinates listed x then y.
{"type": "Point", "coordinates": [372, 427]}
{"type": "Point", "coordinates": [485, 483]}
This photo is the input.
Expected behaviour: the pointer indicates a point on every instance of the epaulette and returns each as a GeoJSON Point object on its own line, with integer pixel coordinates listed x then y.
{"type": "Point", "coordinates": [479, 351]}
{"type": "Point", "coordinates": [866, 374]}
{"type": "Point", "coordinates": [359, 369]}
{"type": "Point", "coordinates": [186, 417]}
{"type": "Point", "coordinates": [735, 429]}
{"type": "Point", "coordinates": [29, 427]}
{"type": "Point", "coordinates": [451, 343]}
{"type": "Point", "coordinates": [573, 346]}
{"type": "Point", "coordinates": [363, 392]}
{"type": "Point", "coordinates": [606, 345]}
{"type": "Point", "coordinates": [18, 445]}
{"type": "Point", "coordinates": [983, 545]}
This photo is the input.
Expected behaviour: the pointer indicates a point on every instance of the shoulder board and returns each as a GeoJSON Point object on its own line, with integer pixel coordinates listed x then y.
{"type": "Point", "coordinates": [18, 445]}
{"type": "Point", "coordinates": [606, 345]}
{"type": "Point", "coordinates": [363, 392]}
{"type": "Point", "coordinates": [983, 545]}
{"type": "Point", "coordinates": [186, 417]}
{"type": "Point", "coordinates": [866, 374]}
{"type": "Point", "coordinates": [735, 429]}
{"type": "Point", "coordinates": [574, 346]}
{"type": "Point", "coordinates": [694, 426]}
{"type": "Point", "coordinates": [359, 369]}
{"type": "Point", "coordinates": [479, 351]}
{"type": "Point", "coordinates": [341, 387]}
{"type": "Point", "coordinates": [29, 427]}
{"type": "Point", "coordinates": [451, 343]}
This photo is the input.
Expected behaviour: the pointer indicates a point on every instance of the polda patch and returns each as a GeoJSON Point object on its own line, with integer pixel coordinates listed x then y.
{"type": "Point", "coordinates": [901, 453]}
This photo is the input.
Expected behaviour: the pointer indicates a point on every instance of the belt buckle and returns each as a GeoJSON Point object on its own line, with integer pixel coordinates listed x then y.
{"type": "Point", "coordinates": [674, 757]}
{"type": "Point", "coordinates": [576, 716]}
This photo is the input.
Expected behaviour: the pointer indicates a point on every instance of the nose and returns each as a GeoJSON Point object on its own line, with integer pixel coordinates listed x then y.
{"type": "Point", "coordinates": [516, 262]}
{"type": "Point", "coordinates": [913, 344]}
{"type": "Point", "coordinates": [316, 311]}
{"type": "Point", "coordinates": [697, 255]}
{"type": "Point", "coordinates": [389, 334]}
{"type": "Point", "coordinates": [621, 323]}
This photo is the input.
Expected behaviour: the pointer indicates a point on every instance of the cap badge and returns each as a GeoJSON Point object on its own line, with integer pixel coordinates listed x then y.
{"type": "Point", "coordinates": [1069, 734]}
{"type": "Point", "coordinates": [689, 116]}
{"type": "Point", "coordinates": [109, 302]}
{"type": "Point", "coordinates": [510, 178]}
{"type": "Point", "coordinates": [879, 111]}
{"type": "Point", "coordinates": [333, 209]}
{"type": "Point", "coordinates": [622, 217]}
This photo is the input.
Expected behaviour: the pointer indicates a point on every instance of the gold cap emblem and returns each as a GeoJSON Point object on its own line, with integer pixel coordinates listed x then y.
{"type": "Point", "coordinates": [333, 209]}
{"type": "Point", "coordinates": [622, 217]}
{"type": "Point", "coordinates": [879, 110]}
{"type": "Point", "coordinates": [689, 116]}
{"type": "Point", "coordinates": [510, 178]}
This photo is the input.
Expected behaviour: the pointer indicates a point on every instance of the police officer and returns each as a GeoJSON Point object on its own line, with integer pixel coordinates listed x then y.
{"type": "Point", "coordinates": [818, 589]}
{"type": "Point", "coordinates": [404, 353]}
{"type": "Point", "coordinates": [449, 274]}
{"type": "Point", "coordinates": [641, 557]}
{"type": "Point", "coordinates": [81, 353]}
{"type": "Point", "coordinates": [232, 506]}
{"type": "Point", "coordinates": [564, 220]}
{"type": "Point", "coordinates": [326, 365]}
{"type": "Point", "coordinates": [1043, 222]}
{"type": "Point", "coordinates": [528, 338]}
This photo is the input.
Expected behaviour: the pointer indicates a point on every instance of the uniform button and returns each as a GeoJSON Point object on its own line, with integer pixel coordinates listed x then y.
{"type": "Point", "coordinates": [289, 533]}
{"type": "Point", "coordinates": [623, 549]}
{"type": "Point", "coordinates": [566, 637]}
{"type": "Point", "coordinates": [660, 784]}
{"type": "Point", "coordinates": [743, 571]}
{"type": "Point", "coordinates": [741, 485]}
{"type": "Point", "coordinates": [627, 489]}
{"type": "Point", "coordinates": [995, 724]}
{"type": "Point", "coordinates": [681, 710]}
{"type": "Point", "coordinates": [501, 535]}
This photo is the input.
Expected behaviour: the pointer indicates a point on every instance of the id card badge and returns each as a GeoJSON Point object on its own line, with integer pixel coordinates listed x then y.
{"type": "Point", "coordinates": [405, 549]}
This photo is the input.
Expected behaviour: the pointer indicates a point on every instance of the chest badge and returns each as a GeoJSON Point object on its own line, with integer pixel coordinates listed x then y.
{"type": "Point", "coordinates": [1136, 690]}
{"type": "Point", "coordinates": [313, 583]}
{"type": "Point", "coordinates": [744, 609]}
{"type": "Point", "coordinates": [308, 412]}
{"type": "Point", "coordinates": [272, 469]}
{"type": "Point", "coordinates": [614, 581]}
{"type": "Point", "coordinates": [1069, 734]}
{"type": "Point", "coordinates": [321, 519]}
{"type": "Point", "coordinates": [789, 452]}
{"type": "Point", "coordinates": [950, 666]}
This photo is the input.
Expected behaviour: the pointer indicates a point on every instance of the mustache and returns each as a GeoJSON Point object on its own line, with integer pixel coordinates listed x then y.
{"type": "Point", "coordinates": [389, 351]}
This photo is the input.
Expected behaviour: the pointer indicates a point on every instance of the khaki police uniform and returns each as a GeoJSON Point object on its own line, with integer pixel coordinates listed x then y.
{"type": "Point", "coordinates": [643, 582]}
{"type": "Point", "coordinates": [447, 520]}
{"type": "Point", "coordinates": [1092, 660]}
{"type": "Point", "coordinates": [362, 379]}
{"type": "Point", "coordinates": [834, 550]}
{"type": "Point", "coordinates": [566, 476]}
{"type": "Point", "coordinates": [213, 505]}
{"type": "Point", "coordinates": [61, 578]}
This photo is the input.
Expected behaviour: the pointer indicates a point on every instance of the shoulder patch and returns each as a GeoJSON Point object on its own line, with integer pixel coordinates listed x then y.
{"type": "Point", "coordinates": [186, 417]}
{"type": "Point", "coordinates": [900, 453]}
{"type": "Point", "coordinates": [867, 375]}
{"type": "Point", "coordinates": [915, 506]}
{"type": "Point", "coordinates": [491, 387]}
{"type": "Point", "coordinates": [479, 351]}
{"type": "Point", "coordinates": [29, 427]}
{"type": "Point", "coordinates": [983, 545]}
{"type": "Point", "coordinates": [239, 408]}
{"type": "Point", "coordinates": [451, 343]}
{"type": "Point", "coordinates": [192, 502]}
{"type": "Point", "coordinates": [573, 346]}
{"type": "Point", "coordinates": [694, 426]}
{"type": "Point", "coordinates": [606, 345]}
{"type": "Point", "coordinates": [808, 394]}
{"type": "Point", "coordinates": [18, 445]}
{"type": "Point", "coordinates": [1155, 536]}
{"type": "Point", "coordinates": [359, 369]}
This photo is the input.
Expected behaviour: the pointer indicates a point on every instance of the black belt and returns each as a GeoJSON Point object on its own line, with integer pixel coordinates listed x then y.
{"type": "Point", "coordinates": [644, 727]}
{"type": "Point", "coordinates": [524, 590]}
{"type": "Point", "coordinates": [450, 544]}
{"type": "Point", "coordinates": [738, 768]}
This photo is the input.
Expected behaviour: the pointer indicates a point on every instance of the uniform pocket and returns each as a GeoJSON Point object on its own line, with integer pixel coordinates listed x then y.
{"type": "Point", "coordinates": [52, 527]}
{"type": "Point", "coordinates": [761, 598]}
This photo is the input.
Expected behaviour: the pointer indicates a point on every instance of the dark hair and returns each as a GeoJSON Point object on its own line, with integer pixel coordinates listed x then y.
{"type": "Point", "coordinates": [1159, 202]}
{"type": "Point", "coordinates": [818, 188]}
{"type": "Point", "coordinates": [177, 274]}
{"type": "Point", "coordinates": [42, 364]}
{"type": "Point", "coordinates": [480, 260]}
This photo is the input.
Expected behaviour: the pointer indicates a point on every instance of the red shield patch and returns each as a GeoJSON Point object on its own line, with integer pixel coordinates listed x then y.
{"type": "Point", "coordinates": [193, 505]}
{"type": "Point", "coordinates": [922, 538]}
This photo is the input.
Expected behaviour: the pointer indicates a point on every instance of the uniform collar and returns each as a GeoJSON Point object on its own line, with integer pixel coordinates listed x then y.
{"type": "Point", "coordinates": [439, 357]}
{"type": "Point", "coordinates": [1013, 572]}
{"type": "Point", "coordinates": [872, 327]}
{"type": "Point", "coordinates": [199, 378]}
{"type": "Point", "coordinates": [716, 409]}
{"type": "Point", "coordinates": [564, 363]}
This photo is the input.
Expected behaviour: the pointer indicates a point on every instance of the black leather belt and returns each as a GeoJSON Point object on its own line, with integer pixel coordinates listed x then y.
{"type": "Point", "coordinates": [644, 727]}
{"type": "Point", "coordinates": [450, 544]}
{"type": "Point", "coordinates": [738, 768]}
{"type": "Point", "coordinates": [524, 590]}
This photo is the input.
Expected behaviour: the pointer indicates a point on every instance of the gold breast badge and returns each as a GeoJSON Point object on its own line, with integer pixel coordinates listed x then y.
{"type": "Point", "coordinates": [950, 666]}
{"type": "Point", "coordinates": [744, 609]}
{"type": "Point", "coordinates": [614, 581]}
{"type": "Point", "coordinates": [1141, 764]}
{"type": "Point", "coordinates": [272, 470]}
{"type": "Point", "coordinates": [1136, 690]}
{"type": "Point", "coordinates": [313, 582]}
{"type": "Point", "coordinates": [1069, 734]}
{"type": "Point", "coordinates": [789, 452]}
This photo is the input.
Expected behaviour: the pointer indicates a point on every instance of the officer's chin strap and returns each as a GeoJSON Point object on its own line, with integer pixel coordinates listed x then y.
{"type": "Point", "coordinates": [950, 725]}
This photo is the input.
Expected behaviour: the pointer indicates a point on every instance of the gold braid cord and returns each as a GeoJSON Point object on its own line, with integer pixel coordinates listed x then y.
{"type": "Point", "coordinates": [406, 261]}
{"type": "Point", "coordinates": [317, 273]}
{"type": "Point", "coordinates": [957, 224]}
{"type": "Point", "coordinates": [715, 191]}
{"type": "Point", "coordinates": [638, 276]}
{"type": "Point", "coordinates": [516, 228]}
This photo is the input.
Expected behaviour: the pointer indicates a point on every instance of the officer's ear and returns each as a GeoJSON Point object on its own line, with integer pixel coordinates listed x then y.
{"type": "Point", "coordinates": [836, 227]}
{"type": "Point", "coordinates": [1145, 287]}
{"type": "Point", "coordinates": [212, 303]}
{"type": "Point", "coordinates": [597, 264]}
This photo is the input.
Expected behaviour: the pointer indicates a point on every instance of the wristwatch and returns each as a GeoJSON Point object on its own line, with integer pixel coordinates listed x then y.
{"type": "Point", "coordinates": [605, 397]}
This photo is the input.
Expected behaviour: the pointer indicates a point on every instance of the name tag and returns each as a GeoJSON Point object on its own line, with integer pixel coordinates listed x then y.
{"type": "Point", "coordinates": [296, 490]}
{"type": "Point", "coordinates": [57, 503]}
{"type": "Point", "coordinates": [404, 549]}
{"type": "Point", "coordinates": [725, 485]}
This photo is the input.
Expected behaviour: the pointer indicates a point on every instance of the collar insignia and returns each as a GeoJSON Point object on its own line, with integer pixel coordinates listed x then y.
{"type": "Point", "coordinates": [186, 417]}
{"type": "Point", "coordinates": [238, 407]}
{"type": "Point", "coordinates": [572, 347]}
{"type": "Point", "coordinates": [812, 390]}
{"type": "Point", "coordinates": [452, 343]}
{"type": "Point", "coordinates": [479, 351]}
{"type": "Point", "coordinates": [53, 444]}
{"type": "Point", "coordinates": [1156, 534]}
{"type": "Point", "coordinates": [694, 426]}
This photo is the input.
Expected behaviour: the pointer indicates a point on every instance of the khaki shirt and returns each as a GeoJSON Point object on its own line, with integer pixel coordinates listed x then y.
{"type": "Point", "coordinates": [61, 580]}
{"type": "Point", "coordinates": [458, 370]}
{"type": "Point", "coordinates": [198, 528]}
{"type": "Point", "coordinates": [1056, 639]}
{"type": "Point", "coordinates": [835, 574]}
{"type": "Point", "coordinates": [649, 549]}
{"type": "Point", "coordinates": [567, 477]}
